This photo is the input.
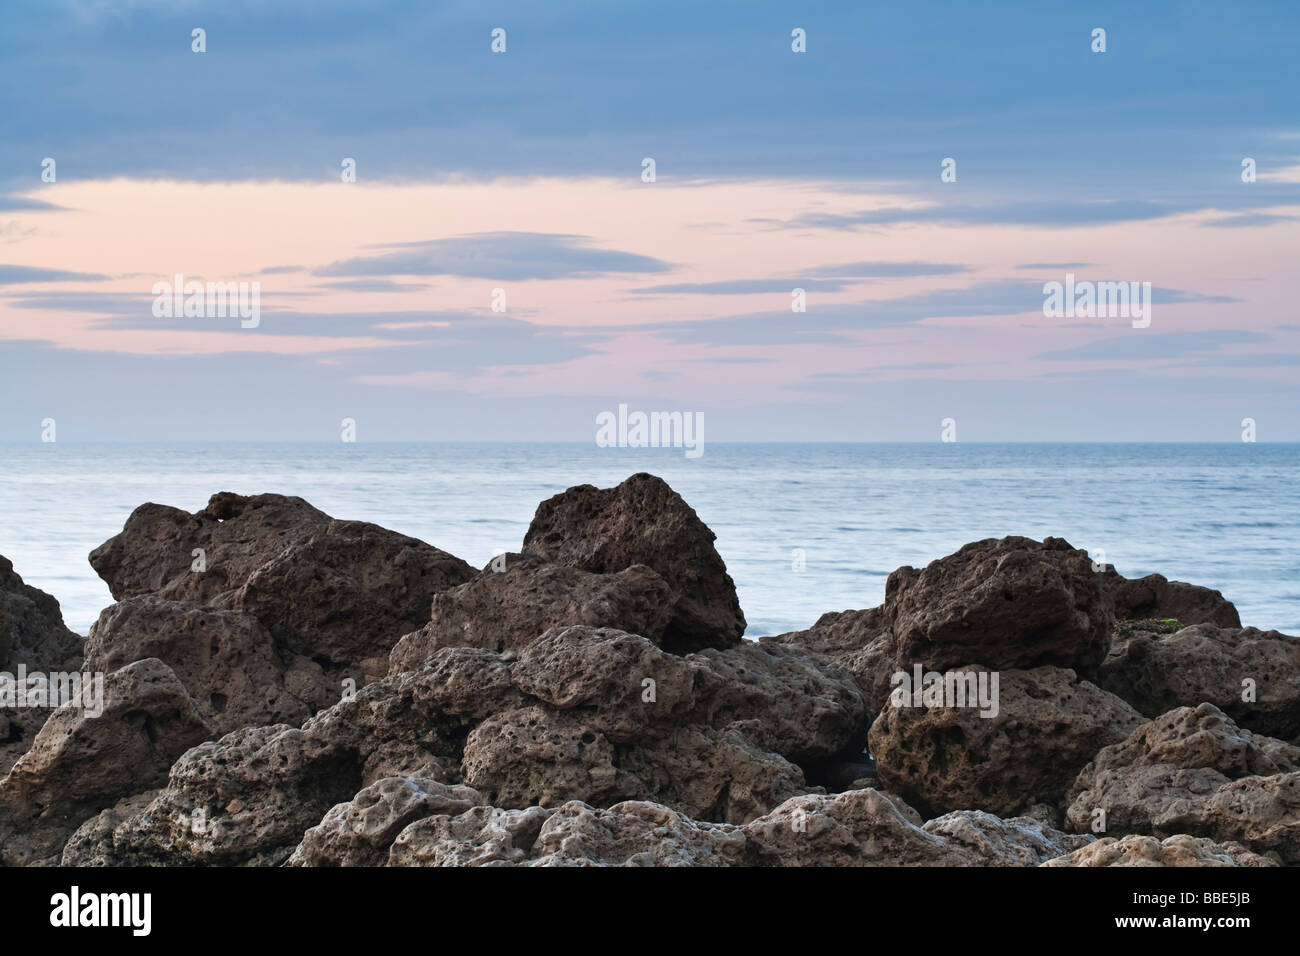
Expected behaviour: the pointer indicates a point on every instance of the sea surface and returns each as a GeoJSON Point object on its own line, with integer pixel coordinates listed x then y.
{"type": "Point", "coordinates": [1222, 515]}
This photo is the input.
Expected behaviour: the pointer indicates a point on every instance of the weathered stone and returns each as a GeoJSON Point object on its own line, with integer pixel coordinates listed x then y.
{"type": "Point", "coordinates": [643, 521]}
{"type": "Point", "coordinates": [1156, 672]}
{"type": "Point", "coordinates": [1003, 603]}
{"type": "Point", "coordinates": [360, 832]}
{"type": "Point", "coordinates": [858, 641]}
{"type": "Point", "coordinates": [1155, 596]}
{"type": "Point", "coordinates": [1194, 771]}
{"type": "Point", "coordinates": [338, 592]}
{"type": "Point", "coordinates": [1048, 725]}
{"type": "Point", "coordinates": [507, 610]}
{"type": "Point", "coordinates": [1178, 850]}
{"type": "Point", "coordinates": [79, 763]}
{"type": "Point", "coordinates": [32, 636]}
{"type": "Point", "coordinates": [226, 659]}
{"type": "Point", "coordinates": [859, 828]}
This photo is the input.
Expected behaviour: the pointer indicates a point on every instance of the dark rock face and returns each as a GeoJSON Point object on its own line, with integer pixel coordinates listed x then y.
{"type": "Point", "coordinates": [31, 627]}
{"type": "Point", "coordinates": [1194, 771]}
{"type": "Point", "coordinates": [1049, 724]}
{"type": "Point", "coordinates": [1253, 676]}
{"type": "Point", "coordinates": [32, 634]}
{"type": "Point", "coordinates": [289, 606]}
{"type": "Point", "coordinates": [589, 701]}
{"type": "Point", "coordinates": [1155, 596]}
{"type": "Point", "coordinates": [570, 717]}
{"type": "Point", "coordinates": [339, 592]}
{"type": "Point", "coordinates": [226, 659]}
{"type": "Point", "coordinates": [506, 610]}
{"type": "Point", "coordinates": [643, 521]}
{"type": "Point", "coordinates": [81, 763]}
{"type": "Point", "coordinates": [1010, 602]}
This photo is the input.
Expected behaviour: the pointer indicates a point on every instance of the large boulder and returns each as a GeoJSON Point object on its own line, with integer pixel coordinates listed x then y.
{"type": "Point", "coordinates": [1253, 676]}
{"type": "Point", "coordinates": [506, 610]}
{"type": "Point", "coordinates": [1048, 724]}
{"type": "Point", "coordinates": [643, 521]}
{"type": "Point", "coordinates": [338, 592]}
{"type": "Point", "coordinates": [83, 761]}
{"type": "Point", "coordinates": [1155, 596]}
{"type": "Point", "coordinates": [1004, 603]}
{"type": "Point", "coordinates": [1194, 771]}
{"type": "Point", "coordinates": [226, 659]}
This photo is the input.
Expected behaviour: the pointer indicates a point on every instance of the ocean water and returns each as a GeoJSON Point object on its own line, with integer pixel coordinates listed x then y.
{"type": "Point", "coordinates": [1223, 515]}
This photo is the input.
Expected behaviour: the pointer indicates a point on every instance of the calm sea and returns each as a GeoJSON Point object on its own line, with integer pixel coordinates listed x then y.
{"type": "Point", "coordinates": [1226, 516]}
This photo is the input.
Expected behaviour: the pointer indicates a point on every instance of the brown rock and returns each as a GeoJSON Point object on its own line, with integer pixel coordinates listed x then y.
{"type": "Point", "coordinates": [1178, 850]}
{"type": "Point", "coordinates": [507, 610]}
{"type": "Point", "coordinates": [338, 592]}
{"type": "Point", "coordinates": [80, 763]}
{"type": "Point", "coordinates": [643, 521]}
{"type": "Point", "coordinates": [1194, 771]}
{"type": "Point", "coordinates": [858, 641]}
{"type": "Point", "coordinates": [1048, 725]}
{"type": "Point", "coordinates": [1155, 596]}
{"type": "Point", "coordinates": [32, 634]}
{"type": "Point", "coordinates": [1004, 603]}
{"type": "Point", "coordinates": [226, 659]}
{"type": "Point", "coordinates": [360, 832]}
{"type": "Point", "coordinates": [859, 828]}
{"type": "Point", "coordinates": [1157, 672]}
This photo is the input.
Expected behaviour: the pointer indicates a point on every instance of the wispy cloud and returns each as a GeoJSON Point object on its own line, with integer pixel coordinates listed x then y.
{"type": "Point", "coordinates": [498, 255]}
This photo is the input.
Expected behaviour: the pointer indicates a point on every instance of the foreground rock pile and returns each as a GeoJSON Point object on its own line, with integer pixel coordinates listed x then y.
{"type": "Point", "coordinates": [285, 688]}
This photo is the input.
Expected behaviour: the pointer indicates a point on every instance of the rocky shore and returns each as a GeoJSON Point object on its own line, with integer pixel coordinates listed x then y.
{"type": "Point", "coordinates": [281, 687]}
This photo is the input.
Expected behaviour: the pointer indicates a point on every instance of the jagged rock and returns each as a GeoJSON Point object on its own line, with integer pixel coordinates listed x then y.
{"type": "Point", "coordinates": [336, 592]}
{"type": "Point", "coordinates": [858, 828]}
{"type": "Point", "coordinates": [360, 832]}
{"type": "Point", "coordinates": [1155, 596]}
{"type": "Point", "coordinates": [506, 610]}
{"type": "Point", "coordinates": [858, 641]}
{"type": "Point", "coordinates": [1009, 603]}
{"type": "Point", "coordinates": [781, 699]}
{"type": "Point", "coordinates": [1194, 771]}
{"type": "Point", "coordinates": [252, 794]}
{"type": "Point", "coordinates": [568, 717]}
{"type": "Point", "coordinates": [643, 521]}
{"type": "Point", "coordinates": [1156, 672]}
{"type": "Point", "coordinates": [79, 763]}
{"type": "Point", "coordinates": [86, 845]}
{"type": "Point", "coordinates": [1178, 850]}
{"type": "Point", "coordinates": [33, 635]}
{"type": "Point", "coordinates": [482, 836]}
{"type": "Point", "coordinates": [1048, 725]}
{"type": "Point", "coordinates": [1004, 603]}
{"type": "Point", "coordinates": [226, 660]}
{"type": "Point", "coordinates": [31, 627]}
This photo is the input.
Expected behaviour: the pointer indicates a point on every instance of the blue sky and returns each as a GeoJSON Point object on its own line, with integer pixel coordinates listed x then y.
{"type": "Point", "coordinates": [521, 171]}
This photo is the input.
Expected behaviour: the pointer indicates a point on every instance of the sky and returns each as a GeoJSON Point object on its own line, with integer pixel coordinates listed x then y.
{"type": "Point", "coordinates": [517, 179]}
